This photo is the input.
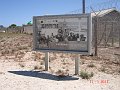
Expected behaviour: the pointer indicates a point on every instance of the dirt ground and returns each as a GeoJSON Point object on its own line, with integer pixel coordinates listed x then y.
{"type": "Point", "coordinates": [21, 68]}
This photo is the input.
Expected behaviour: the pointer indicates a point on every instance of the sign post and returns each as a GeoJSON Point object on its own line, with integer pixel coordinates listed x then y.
{"type": "Point", "coordinates": [77, 64]}
{"type": "Point", "coordinates": [46, 61]}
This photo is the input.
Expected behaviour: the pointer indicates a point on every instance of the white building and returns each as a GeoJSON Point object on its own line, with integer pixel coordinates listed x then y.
{"type": "Point", "coordinates": [28, 29]}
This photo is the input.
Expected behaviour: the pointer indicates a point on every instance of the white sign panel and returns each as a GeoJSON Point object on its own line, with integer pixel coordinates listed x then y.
{"type": "Point", "coordinates": [66, 33]}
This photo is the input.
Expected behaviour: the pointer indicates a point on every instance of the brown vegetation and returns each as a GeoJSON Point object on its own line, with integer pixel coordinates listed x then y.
{"type": "Point", "coordinates": [18, 47]}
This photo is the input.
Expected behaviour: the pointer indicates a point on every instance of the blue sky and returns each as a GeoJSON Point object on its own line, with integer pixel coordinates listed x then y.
{"type": "Point", "coordinates": [21, 11]}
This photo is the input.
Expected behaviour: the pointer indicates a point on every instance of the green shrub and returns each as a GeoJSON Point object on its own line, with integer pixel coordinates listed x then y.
{"type": "Point", "coordinates": [86, 75]}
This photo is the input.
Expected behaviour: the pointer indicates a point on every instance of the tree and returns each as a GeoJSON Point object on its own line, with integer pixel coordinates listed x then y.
{"type": "Point", "coordinates": [12, 26]}
{"type": "Point", "coordinates": [1, 26]}
{"type": "Point", "coordinates": [29, 23]}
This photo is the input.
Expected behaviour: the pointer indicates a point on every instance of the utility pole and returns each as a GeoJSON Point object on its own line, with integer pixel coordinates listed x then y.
{"type": "Point", "coordinates": [83, 3]}
{"type": "Point", "coordinates": [77, 59]}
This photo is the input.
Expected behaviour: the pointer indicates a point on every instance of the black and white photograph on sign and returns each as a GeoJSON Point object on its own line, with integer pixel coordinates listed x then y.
{"type": "Point", "coordinates": [62, 34]}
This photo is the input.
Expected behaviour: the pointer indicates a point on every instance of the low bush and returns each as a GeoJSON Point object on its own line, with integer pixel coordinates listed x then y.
{"type": "Point", "coordinates": [91, 65]}
{"type": "Point", "coordinates": [38, 67]}
{"type": "Point", "coordinates": [86, 75]}
{"type": "Point", "coordinates": [21, 65]}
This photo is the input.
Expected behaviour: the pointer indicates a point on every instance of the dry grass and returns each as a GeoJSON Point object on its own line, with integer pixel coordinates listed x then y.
{"type": "Point", "coordinates": [17, 45]}
{"type": "Point", "coordinates": [14, 44]}
{"type": "Point", "coordinates": [91, 65]}
{"type": "Point", "coordinates": [82, 61]}
{"type": "Point", "coordinates": [36, 67]}
{"type": "Point", "coordinates": [21, 65]}
{"type": "Point", "coordinates": [103, 69]}
{"type": "Point", "coordinates": [2, 73]}
{"type": "Point", "coordinates": [41, 62]}
{"type": "Point", "coordinates": [62, 73]}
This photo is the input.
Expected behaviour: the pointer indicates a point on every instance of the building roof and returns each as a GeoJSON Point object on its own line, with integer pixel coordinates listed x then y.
{"type": "Point", "coordinates": [103, 12]}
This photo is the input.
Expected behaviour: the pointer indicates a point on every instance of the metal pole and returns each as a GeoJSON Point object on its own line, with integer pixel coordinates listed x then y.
{"type": "Point", "coordinates": [83, 2]}
{"type": "Point", "coordinates": [112, 34]}
{"type": "Point", "coordinates": [35, 31]}
{"type": "Point", "coordinates": [77, 64]}
{"type": "Point", "coordinates": [95, 35]}
{"type": "Point", "coordinates": [119, 37]}
{"type": "Point", "coordinates": [46, 61]}
{"type": "Point", "coordinates": [105, 35]}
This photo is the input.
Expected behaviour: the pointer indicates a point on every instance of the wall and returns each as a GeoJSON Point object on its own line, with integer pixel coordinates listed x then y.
{"type": "Point", "coordinates": [28, 29]}
{"type": "Point", "coordinates": [17, 29]}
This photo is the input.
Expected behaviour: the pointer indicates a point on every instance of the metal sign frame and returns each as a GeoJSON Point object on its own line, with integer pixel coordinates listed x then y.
{"type": "Point", "coordinates": [89, 33]}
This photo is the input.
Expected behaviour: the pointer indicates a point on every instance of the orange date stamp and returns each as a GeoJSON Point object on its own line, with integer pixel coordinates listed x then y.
{"type": "Point", "coordinates": [102, 81]}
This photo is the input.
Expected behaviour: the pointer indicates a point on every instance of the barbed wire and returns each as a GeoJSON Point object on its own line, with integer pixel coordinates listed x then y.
{"type": "Point", "coordinates": [99, 6]}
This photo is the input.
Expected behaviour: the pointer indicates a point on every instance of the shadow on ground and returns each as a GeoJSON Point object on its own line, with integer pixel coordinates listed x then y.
{"type": "Point", "coordinates": [43, 75]}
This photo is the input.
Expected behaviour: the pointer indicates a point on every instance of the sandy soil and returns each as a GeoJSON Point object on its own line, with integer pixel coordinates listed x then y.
{"type": "Point", "coordinates": [23, 69]}
{"type": "Point", "coordinates": [13, 77]}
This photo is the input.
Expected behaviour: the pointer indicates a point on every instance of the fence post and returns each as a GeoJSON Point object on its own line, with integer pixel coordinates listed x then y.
{"type": "Point", "coordinates": [95, 34]}
{"type": "Point", "coordinates": [112, 35]}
